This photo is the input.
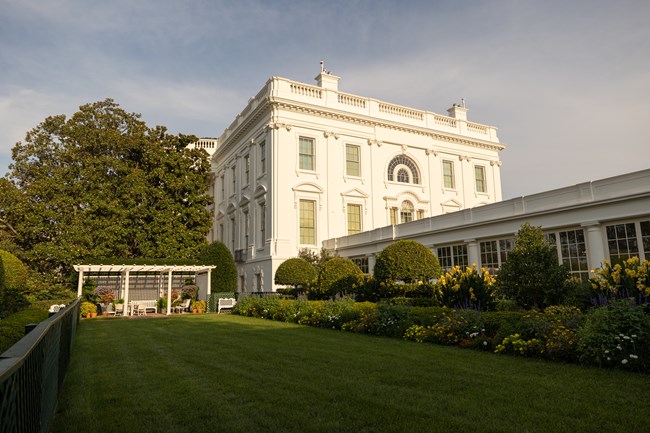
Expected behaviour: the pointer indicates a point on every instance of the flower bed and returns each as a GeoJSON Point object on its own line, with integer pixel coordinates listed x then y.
{"type": "Point", "coordinates": [617, 335]}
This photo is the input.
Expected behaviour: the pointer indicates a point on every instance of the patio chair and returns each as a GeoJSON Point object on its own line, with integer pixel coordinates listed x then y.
{"type": "Point", "coordinates": [184, 306]}
{"type": "Point", "coordinates": [118, 311]}
{"type": "Point", "coordinates": [140, 309]}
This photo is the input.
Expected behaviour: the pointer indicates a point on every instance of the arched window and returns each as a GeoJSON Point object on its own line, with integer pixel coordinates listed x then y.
{"type": "Point", "coordinates": [403, 169]}
{"type": "Point", "coordinates": [406, 212]}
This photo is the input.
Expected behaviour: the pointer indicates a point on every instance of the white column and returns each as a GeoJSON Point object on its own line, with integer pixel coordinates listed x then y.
{"type": "Point", "coordinates": [372, 258]}
{"type": "Point", "coordinates": [209, 285]}
{"type": "Point", "coordinates": [473, 252]}
{"type": "Point", "coordinates": [169, 292]}
{"type": "Point", "coordinates": [595, 244]}
{"type": "Point", "coordinates": [80, 283]}
{"type": "Point", "coordinates": [126, 293]}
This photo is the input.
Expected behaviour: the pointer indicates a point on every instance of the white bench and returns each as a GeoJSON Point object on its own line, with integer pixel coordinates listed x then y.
{"type": "Point", "coordinates": [225, 303]}
{"type": "Point", "coordinates": [149, 305]}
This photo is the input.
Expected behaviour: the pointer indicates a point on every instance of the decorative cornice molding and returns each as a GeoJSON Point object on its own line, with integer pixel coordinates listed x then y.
{"type": "Point", "coordinates": [329, 134]}
{"type": "Point", "coordinates": [497, 163]}
{"type": "Point", "coordinates": [379, 143]}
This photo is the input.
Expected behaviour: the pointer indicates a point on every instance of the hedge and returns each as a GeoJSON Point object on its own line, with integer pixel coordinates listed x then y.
{"type": "Point", "coordinates": [12, 328]}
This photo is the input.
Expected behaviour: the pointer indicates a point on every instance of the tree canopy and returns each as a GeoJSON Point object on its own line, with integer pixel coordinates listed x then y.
{"type": "Point", "coordinates": [102, 184]}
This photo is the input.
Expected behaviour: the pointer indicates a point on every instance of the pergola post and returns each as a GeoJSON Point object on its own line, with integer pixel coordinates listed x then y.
{"type": "Point", "coordinates": [209, 285]}
{"type": "Point", "coordinates": [80, 284]}
{"type": "Point", "coordinates": [169, 292]}
{"type": "Point", "coordinates": [126, 292]}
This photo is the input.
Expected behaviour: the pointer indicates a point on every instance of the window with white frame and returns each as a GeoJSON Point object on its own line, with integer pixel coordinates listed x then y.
{"type": "Point", "coordinates": [403, 169]}
{"type": "Point", "coordinates": [448, 174]}
{"type": "Point", "coordinates": [306, 153]}
{"type": "Point", "coordinates": [406, 212]}
{"type": "Point", "coordinates": [352, 160]}
{"type": "Point", "coordinates": [223, 187]}
{"type": "Point", "coordinates": [262, 225]}
{"type": "Point", "coordinates": [453, 255]}
{"type": "Point", "coordinates": [233, 233]}
{"type": "Point", "coordinates": [362, 263]}
{"type": "Point", "coordinates": [490, 256]}
{"type": "Point", "coordinates": [233, 175]}
{"type": "Point", "coordinates": [479, 178]}
{"type": "Point", "coordinates": [246, 229]}
{"type": "Point", "coordinates": [262, 159]}
{"type": "Point", "coordinates": [393, 216]}
{"type": "Point", "coordinates": [573, 252]}
{"type": "Point", "coordinates": [247, 169]}
{"type": "Point", "coordinates": [354, 219]}
{"type": "Point", "coordinates": [627, 240]}
{"type": "Point", "coordinates": [307, 222]}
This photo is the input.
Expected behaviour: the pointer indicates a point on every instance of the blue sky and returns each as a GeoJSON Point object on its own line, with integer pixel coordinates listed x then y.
{"type": "Point", "coordinates": [566, 82]}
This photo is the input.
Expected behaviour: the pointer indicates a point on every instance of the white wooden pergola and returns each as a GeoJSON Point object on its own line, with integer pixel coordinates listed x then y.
{"type": "Point", "coordinates": [125, 270]}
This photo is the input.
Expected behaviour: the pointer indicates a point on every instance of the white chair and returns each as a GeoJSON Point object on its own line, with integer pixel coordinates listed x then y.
{"type": "Point", "coordinates": [184, 306]}
{"type": "Point", "coordinates": [117, 311]}
{"type": "Point", "coordinates": [140, 309]}
{"type": "Point", "coordinates": [226, 303]}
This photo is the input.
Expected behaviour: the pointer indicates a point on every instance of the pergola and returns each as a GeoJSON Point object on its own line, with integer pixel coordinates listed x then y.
{"type": "Point", "coordinates": [125, 270]}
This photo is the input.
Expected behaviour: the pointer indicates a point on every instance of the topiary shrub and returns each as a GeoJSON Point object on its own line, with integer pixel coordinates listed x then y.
{"type": "Point", "coordinates": [224, 276]}
{"type": "Point", "coordinates": [13, 278]}
{"type": "Point", "coordinates": [531, 275]}
{"type": "Point", "coordinates": [296, 272]}
{"type": "Point", "coordinates": [407, 261]}
{"type": "Point", "coordinates": [333, 278]}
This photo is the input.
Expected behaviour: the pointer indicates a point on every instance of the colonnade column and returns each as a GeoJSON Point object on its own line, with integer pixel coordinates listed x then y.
{"type": "Point", "coordinates": [473, 252]}
{"type": "Point", "coordinates": [595, 244]}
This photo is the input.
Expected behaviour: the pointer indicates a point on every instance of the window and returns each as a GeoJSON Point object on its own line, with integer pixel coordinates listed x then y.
{"type": "Point", "coordinates": [622, 241]}
{"type": "Point", "coordinates": [247, 168]}
{"type": "Point", "coordinates": [406, 212]}
{"type": "Point", "coordinates": [246, 229]}
{"type": "Point", "coordinates": [362, 263]}
{"type": "Point", "coordinates": [262, 150]}
{"type": "Point", "coordinates": [454, 255]}
{"type": "Point", "coordinates": [221, 233]}
{"type": "Point", "coordinates": [233, 233]}
{"type": "Point", "coordinates": [403, 169]}
{"type": "Point", "coordinates": [645, 238]}
{"type": "Point", "coordinates": [574, 253]}
{"type": "Point", "coordinates": [448, 174]}
{"type": "Point", "coordinates": [420, 214]}
{"type": "Point", "coordinates": [393, 216]}
{"type": "Point", "coordinates": [479, 177]}
{"type": "Point", "coordinates": [490, 256]}
{"type": "Point", "coordinates": [307, 222]}
{"type": "Point", "coordinates": [306, 153]}
{"type": "Point", "coordinates": [505, 246]}
{"type": "Point", "coordinates": [233, 173]}
{"type": "Point", "coordinates": [223, 187]}
{"type": "Point", "coordinates": [354, 219]}
{"type": "Point", "coordinates": [352, 160]}
{"type": "Point", "coordinates": [262, 239]}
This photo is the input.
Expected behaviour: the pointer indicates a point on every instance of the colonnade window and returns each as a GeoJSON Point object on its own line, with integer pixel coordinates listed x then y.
{"type": "Point", "coordinates": [453, 255]}
{"type": "Point", "coordinates": [628, 240]}
{"type": "Point", "coordinates": [403, 169]}
{"type": "Point", "coordinates": [495, 253]}
{"type": "Point", "coordinates": [362, 263]}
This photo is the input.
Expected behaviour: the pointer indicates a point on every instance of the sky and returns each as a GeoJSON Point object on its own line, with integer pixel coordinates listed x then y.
{"type": "Point", "coordinates": [567, 83]}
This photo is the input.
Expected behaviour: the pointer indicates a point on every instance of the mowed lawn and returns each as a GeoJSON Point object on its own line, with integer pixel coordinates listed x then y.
{"type": "Point", "coordinates": [228, 373]}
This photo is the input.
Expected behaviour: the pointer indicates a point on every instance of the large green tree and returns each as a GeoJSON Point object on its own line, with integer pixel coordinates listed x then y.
{"type": "Point", "coordinates": [102, 184]}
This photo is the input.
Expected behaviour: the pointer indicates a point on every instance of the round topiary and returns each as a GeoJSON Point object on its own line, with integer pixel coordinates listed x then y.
{"type": "Point", "coordinates": [407, 261]}
{"type": "Point", "coordinates": [224, 276]}
{"type": "Point", "coordinates": [333, 272]}
{"type": "Point", "coordinates": [13, 273]}
{"type": "Point", "coordinates": [296, 272]}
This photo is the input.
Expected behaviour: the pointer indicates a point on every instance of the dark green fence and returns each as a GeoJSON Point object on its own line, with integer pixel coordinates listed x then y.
{"type": "Point", "coordinates": [32, 372]}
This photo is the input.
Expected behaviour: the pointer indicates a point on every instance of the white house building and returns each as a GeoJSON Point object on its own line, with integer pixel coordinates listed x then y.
{"type": "Point", "coordinates": [302, 164]}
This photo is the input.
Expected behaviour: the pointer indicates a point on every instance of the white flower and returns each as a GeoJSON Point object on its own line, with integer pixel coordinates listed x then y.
{"type": "Point", "coordinates": [609, 359]}
{"type": "Point", "coordinates": [624, 361]}
{"type": "Point", "coordinates": [633, 335]}
{"type": "Point", "coordinates": [485, 343]}
{"type": "Point", "coordinates": [626, 338]}
{"type": "Point", "coordinates": [619, 347]}
{"type": "Point", "coordinates": [634, 357]}
{"type": "Point", "coordinates": [607, 351]}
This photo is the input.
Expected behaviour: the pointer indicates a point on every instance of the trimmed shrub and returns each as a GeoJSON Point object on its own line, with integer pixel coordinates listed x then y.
{"type": "Point", "coordinates": [13, 279]}
{"type": "Point", "coordinates": [336, 276]}
{"type": "Point", "coordinates": [296, 272]}
{"type": "Point", "coordinates": [224, 276]}
{"type": "Point", "coordinates": [407, 261]}
{"type": "Point", "coordinates": [531, 275]}
{"type": "Point", "coordinates": [12, 328]}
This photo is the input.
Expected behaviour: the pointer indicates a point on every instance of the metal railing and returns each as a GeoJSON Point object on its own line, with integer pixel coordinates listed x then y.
{"type": "Point", "coordinates": [32, 372]}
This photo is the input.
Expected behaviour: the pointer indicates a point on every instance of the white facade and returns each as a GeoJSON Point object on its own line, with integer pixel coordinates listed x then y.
{"type": "Point", "coordinates": [302, 164]}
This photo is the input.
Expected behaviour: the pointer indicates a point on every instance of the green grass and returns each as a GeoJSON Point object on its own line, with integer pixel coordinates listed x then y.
{"type": "Point", "coordinates": [236, 374]}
